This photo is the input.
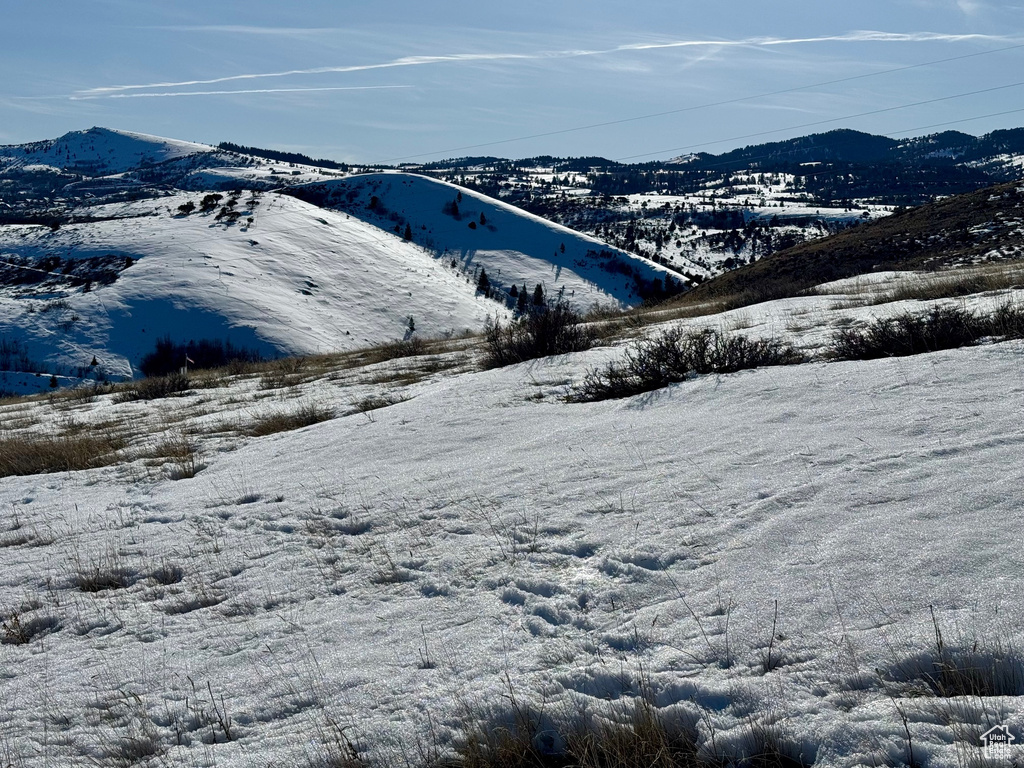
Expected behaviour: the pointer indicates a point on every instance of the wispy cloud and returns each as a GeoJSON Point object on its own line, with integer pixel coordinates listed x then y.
{"type": "Point", "coordinates": [464, 58]}
{"type": "Point", "coordinates": [171, 94]}
{"type": "Point", "coordinates": [971, 7]}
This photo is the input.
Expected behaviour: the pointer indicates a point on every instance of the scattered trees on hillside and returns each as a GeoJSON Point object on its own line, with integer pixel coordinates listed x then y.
{"type": "Point", "coordinates": [547, 331]}
{"type": "Point", "coordinates": [451, 208]}
{"type": "Point", "coordinates": [209, 202]}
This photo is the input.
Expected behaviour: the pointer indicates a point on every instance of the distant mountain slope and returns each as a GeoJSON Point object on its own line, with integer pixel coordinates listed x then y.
{"type": "Point", "coordinates": [513, 246]}
{"type": "Point", "coordinates": [848, 146]}
{"type": "Point", "coordinates": [839, 145]}
{"type": "Point", "coordinates": [986, 225]}
{"type": "Point", "coordinates": [297, 280]}
{"type": "Point", "coordinates": [100, 151]}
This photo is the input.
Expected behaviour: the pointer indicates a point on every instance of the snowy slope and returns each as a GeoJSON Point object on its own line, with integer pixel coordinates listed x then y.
{"type": "Point", "coordinates": [513, 246]}
{"type": "Point", "coordinates": [388, 571]}
{"type": "Point", "coordinates": [297, 280]}
{"type": "Point", "coordinates": [100, 151]}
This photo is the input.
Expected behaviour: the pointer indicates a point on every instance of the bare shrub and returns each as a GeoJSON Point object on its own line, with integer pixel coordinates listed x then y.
{"type": "Point", "coordinates": [677, 354]}
{"type": "Point", "coordinates": [943, 327]}
{"type": "Point", "coordinates": [554, 330]}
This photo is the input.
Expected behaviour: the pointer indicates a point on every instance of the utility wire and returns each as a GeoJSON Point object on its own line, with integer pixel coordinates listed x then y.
{"type": "Point", "coordinates": [893, 135]}
{"type": "Point", "coordinates": [708, 105]}
{"type": "Point", "coordinates": [825, 122]}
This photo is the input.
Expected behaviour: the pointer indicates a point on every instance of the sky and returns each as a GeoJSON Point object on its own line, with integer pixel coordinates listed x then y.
{"type": "Point", "coordinates": [408, 81]}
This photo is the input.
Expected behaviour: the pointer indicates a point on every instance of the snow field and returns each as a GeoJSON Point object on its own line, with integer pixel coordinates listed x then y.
{"type": "Point", "coordinates": [387, 569]}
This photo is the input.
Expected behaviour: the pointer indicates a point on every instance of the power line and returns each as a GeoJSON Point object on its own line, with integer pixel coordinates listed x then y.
{"type": "Point", "coordinates": [825, 122]}
{"type": "Point", "coordinates": [708, 105]}
{"type": "Point", "coordinates": [953, 122]}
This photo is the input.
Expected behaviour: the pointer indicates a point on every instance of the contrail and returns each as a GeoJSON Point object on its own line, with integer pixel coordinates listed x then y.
{"type": "Point", "coordinates": [171, 94]}
{"type": "Point", "coordinates": [414, 61]}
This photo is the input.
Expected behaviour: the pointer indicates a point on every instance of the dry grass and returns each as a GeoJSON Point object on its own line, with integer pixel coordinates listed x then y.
{"type": "Point", "coordinates": [954, 284]}
{"type": "Point", "coordinates": [285, 421]}
{"type": "Point", "coordinates": [632, 734]}
{"type": "Point", "coordinates": [375, 402]}
{"type": "Point", "coordinates": [179, 450]}
{"type": "Point", "coordinates": [404, 376]}
{"type": "Point", "coordinates": [153, 388]}
{"type": "Point", "coordinates": [285, 372]}
{"type": "Point", "coordinates": [39, 454]}
{"type": "Point", "coordinates": [979, 669]}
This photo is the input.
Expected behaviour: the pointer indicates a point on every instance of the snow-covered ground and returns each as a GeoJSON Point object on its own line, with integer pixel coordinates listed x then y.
{"type": "Point", "coordinates": [384, 571]}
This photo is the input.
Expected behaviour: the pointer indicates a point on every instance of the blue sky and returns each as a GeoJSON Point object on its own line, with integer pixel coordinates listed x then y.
{"type": "Point", "coordinates": [382, 82]}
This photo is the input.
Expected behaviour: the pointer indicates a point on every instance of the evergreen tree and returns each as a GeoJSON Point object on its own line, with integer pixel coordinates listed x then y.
{"type": "Point", "coordinates": [538, 296]}
{"type": "Point", "coordinates": [408, 232]}
{"type": "Point", "coordinates": [513, 292]}
{"type": "Point", "coordinates": [483, 284]}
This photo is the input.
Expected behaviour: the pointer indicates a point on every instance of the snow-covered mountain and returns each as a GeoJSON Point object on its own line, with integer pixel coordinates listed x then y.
{"type": "Point", "coordinates": [329, 267]}
{"type": "Point", "coordinates": [99, 151]}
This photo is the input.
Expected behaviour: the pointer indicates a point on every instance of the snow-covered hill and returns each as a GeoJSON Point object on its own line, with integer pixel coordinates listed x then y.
{"type": "Point", "coordinates": [296, 280]}
{"type": "Point", "coordinates": [99, 151]}
{"type": "Point", "coordinates": [514, 247]}
{"type": "Point", "coordinates": [280, 275]}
